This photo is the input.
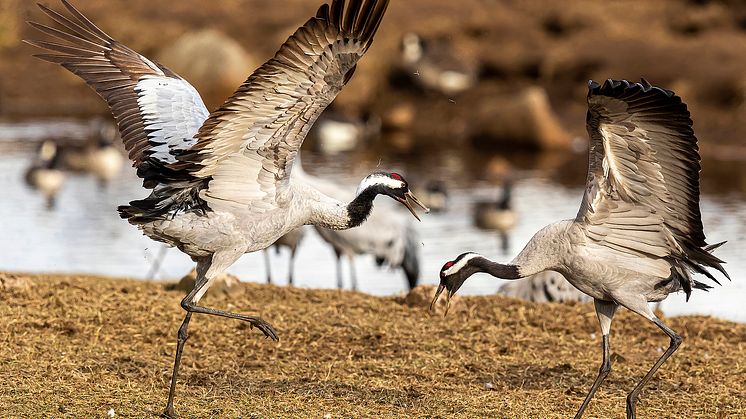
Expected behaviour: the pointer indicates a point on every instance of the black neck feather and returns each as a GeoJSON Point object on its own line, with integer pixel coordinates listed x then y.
{"type": "Point", "coordinates": [496, 269]}
{"type": "Point", "coordinates": [359, 209]}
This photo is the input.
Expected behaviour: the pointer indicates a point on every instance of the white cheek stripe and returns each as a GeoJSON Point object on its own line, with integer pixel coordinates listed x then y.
{"type": "Point", "coordinates": [460, 264]}
{"type": "Point", "coordinates": [379, 180]}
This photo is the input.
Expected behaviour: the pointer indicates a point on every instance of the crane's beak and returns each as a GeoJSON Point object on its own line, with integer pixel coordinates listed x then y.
{"type": "Point", "coordinates": [441, 287]}
{"type": "Point", "coordinates": [410, 201]}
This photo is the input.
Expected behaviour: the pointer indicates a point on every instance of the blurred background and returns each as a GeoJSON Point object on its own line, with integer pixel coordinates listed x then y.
{"type": "Point", "coordinates": [479, 103]}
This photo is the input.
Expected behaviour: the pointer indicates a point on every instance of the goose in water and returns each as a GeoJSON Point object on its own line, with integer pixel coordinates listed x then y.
{"type": "Point", "coordinates": [45, 174]}
{"type": "Point", "coordinates": [434, 66]}
{"type": "Point", "coordinates": [638, 235]}
{"type": "Point", "coordinates": [221, 182]}
{"type": "Point", "coordinates": [498, 215]}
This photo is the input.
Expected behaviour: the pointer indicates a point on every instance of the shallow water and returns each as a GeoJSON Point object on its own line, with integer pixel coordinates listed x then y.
{"type": "Point", "coordinates": [84, 234]}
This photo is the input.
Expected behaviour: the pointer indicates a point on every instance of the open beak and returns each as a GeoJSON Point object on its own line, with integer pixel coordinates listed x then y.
{"type": "Point", "coordinates": [449, 294]}
{"type": "Point", "coordinates": [410, 201]}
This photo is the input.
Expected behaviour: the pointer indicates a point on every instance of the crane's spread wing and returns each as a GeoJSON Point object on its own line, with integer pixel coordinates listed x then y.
{"type": "Point", "coordinates": [642, 193]}
{"type": "Point", "coordinates": [158, 112]}
{"type": "Point", "coordinates": [246, 147]}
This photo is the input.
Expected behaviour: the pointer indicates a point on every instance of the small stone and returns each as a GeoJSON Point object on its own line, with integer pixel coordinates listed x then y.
{"type": "Point", "coordinates": [225, 284]}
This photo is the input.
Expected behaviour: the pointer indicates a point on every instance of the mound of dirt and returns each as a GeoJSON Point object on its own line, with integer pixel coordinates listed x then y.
{"type": "Point", "coordinates": [79, 346]}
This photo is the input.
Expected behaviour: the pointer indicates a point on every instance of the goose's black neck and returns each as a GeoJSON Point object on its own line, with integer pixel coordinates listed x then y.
{"type": "Point", "coordinates": [359, 209]}
{"type": "Point", "coordinates": [504, 202]}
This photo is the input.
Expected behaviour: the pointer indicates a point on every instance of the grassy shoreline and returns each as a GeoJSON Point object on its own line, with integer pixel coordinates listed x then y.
{"type": "Point", "coordinates": [81, 345]}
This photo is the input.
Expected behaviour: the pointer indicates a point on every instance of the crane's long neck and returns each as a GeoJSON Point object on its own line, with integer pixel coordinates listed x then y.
{"type": "Point", "coordinates": [495, 269]}
{"type": "Point", "coordinates": [333, 214]}
{"type": "Point", "coordinates": [359, 208]}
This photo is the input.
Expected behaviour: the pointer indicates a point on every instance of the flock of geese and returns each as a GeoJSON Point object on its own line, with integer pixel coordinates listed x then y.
{"type": "Point", "coordinates": [228, 182]}
{"type": "Point", "coordinates": [54, 160]}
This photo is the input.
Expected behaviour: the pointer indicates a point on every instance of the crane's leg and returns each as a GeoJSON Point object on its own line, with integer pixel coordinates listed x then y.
{"type": "Point", "coordinates": [157, 262]}
{"type": "Point", "coordinates": [605, 311]}
{"type": "Point", "coordinates": [208, 268]}
{"type": "Point", "coordinates": [202, 265]}
{"type": "Point", "coordinates": [353, 274]}
{"type": "Point", "coordinates": [675, 343]}
{"type": "Point", "coordinates": [290, 266]}
{"type": "Point", "coordinates": [267, 266]}
{"type": "Point", "coordinates": [339, 269]}
{"type": "Point", "coordinates": [220, 262]}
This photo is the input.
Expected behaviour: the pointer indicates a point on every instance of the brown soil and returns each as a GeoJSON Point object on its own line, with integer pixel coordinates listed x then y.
{"type": "Point", "coordinates": [78, 346]}
{"type": "Point", "coordinates": [697, 48]}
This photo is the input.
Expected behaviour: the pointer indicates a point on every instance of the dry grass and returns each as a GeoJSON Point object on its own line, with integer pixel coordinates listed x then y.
{"type": "Point", "coordinates": [78, 346]}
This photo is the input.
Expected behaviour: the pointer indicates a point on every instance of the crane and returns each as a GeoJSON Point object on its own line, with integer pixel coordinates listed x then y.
{"type": "Point", "coordinates": [222, 182]}
{"type": "Point", "coordinates": [638, 235]}
{"type": "Point", "coordinates": [291, 240]}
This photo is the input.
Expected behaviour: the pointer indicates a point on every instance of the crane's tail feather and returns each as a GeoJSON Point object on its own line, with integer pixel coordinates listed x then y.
{"type": "Point", "coordinates": [697, 260]}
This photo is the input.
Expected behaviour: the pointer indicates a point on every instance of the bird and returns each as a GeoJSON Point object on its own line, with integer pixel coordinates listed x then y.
{"type": "Point", "coordinates": [45, 174]}
{"type": "Point", "coordinates": [638, 235]}
{"type": "Point", "coordinates": [336, 132]}
{"type": "Point", "coordinates": [434, 66]}
{"type": "Point", "coordinates": [544, 287]}
{"type": "Point", "coordinates": [435, 195]}
{"type": "Point", "coordinates": [387, 236]}
{"type": "Point", "coordinates": [98, 156]}
{"type": "Point", "coordinates": [498, 215]}
{"type": "Point", "coordinates": [290, 240]}
{"type": "Point", "coordinates": [222, 182]}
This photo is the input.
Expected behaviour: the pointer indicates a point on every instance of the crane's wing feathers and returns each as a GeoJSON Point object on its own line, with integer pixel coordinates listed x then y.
{"type": "Point", "coordinates": [158, 113]}
{"type": "Point", "coordinates": [246, 147]}
{"type": "Point", "coordinates": [642, 193]}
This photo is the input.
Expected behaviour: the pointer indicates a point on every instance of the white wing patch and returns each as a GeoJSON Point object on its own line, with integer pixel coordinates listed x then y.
{"type": "Point", "coordinates": [172, 111]}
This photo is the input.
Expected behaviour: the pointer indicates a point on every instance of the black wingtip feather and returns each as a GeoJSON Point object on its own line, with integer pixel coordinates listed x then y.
{"type": "Point", "coordinates": [323, 12]}
{"type": "Point", "coordinates": [351, 16]}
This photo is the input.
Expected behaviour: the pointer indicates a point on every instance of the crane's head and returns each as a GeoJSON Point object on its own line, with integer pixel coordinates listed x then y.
{"type": "Point", "coordinates": [393, 185]}
{"type": "Point", "coordinates": [453, 275]}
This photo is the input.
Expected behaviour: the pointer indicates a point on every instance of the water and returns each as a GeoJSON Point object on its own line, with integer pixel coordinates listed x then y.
{"type": "Point", "coordinates": [84, 234]}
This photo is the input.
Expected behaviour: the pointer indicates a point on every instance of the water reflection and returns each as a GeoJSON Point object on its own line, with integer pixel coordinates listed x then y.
{"type": "Point", "coordinates": [85, 235]}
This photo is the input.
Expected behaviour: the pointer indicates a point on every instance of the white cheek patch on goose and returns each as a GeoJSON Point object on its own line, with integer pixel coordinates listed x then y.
{"type": "Point", "coordinates": [379, 180]}
{"type": "Point", "coordinates": [460, 264]}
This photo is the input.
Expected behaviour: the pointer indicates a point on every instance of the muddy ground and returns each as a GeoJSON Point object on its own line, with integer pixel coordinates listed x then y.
{"type": "Point", "coordinates": [75, 346]}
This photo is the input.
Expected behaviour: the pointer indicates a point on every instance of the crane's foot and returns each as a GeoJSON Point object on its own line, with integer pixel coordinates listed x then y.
{"type": "Point", "coordinates": [262, 325]}
{"type": "Point", "coordinates": [631, 401]}
{"type": "Point", "coordinates": [168, 413]}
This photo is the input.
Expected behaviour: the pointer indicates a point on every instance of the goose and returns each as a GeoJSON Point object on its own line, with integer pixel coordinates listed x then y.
{"type": "Point", "coordinates": [638, 235]}
{"type": "Point", "coordinates": [222, 182]}
{"type": "Point", "coordinates": [498, 215]}
{"type": "Point", "coordinates": [435, 67]}
{"type": "Point", "coordinates": [98, 156]}
{"type": "Point", "coordinates": [45, 174]}
{"type": "Point", "coordinates": [337, 133]}
{"type": "Point", "coordinates": [290, 240]}
{"type": "Point", "coordinates": [435, 196]}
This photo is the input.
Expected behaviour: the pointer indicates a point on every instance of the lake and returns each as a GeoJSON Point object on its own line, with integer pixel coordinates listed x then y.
{"type": "Point", "coordinates": [84, 233]}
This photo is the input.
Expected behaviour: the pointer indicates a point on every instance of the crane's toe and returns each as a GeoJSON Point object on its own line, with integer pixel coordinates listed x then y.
{"type": "Point", "coordinates": [265, 327]}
